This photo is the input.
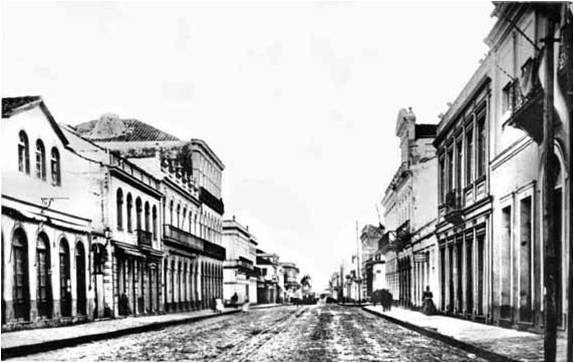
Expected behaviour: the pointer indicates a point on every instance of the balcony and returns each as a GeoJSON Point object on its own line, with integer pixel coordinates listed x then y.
{"type": "Point", "coordinates": [453, 206]}
{"type": "Point", "coordinates": [213, 250]}
{"type": "Point", "coordinates": [527, 104]}
{"type": "Point", "coordinates": [144, 238]}
{"type": "Point", "coordinates": [241, 263]}
{"type": "Point", "coordinates": [183, 237]}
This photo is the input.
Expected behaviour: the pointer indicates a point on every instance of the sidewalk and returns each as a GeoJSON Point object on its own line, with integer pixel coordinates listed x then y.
{"type": "Point", "coordinates": [488, 341]}
{"type": "Point", "coordinates": [25, 342]}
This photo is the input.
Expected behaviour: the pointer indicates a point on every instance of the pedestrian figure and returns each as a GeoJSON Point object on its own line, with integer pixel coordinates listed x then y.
{"type": "Point", "coordinates": [387, 300]}
{"type": "Point", "coordinates": [234, 299]}
{"type": "Point", "coordinates": [428, 305]}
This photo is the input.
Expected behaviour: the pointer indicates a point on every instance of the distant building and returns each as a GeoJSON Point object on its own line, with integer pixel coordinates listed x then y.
{"type": "Point", "coordinates": [268, 289]}
{"type": "Point", "coordinates": [370, 237]}
{"type": "Point", "coordinates": [239, 273]}
{"type": "Point", "coordinates": [291, 279]}
{"type": "Point", "coordinates": [409, 245]}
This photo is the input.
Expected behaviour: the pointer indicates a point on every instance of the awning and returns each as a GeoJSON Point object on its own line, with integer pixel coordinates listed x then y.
{"type": "Point", "coordinates": [128, 249]}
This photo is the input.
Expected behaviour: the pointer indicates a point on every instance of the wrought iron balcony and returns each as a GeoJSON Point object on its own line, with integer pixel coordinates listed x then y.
{"type": "Point", "coordinates": [182, 237]}
{"type": "Point", "coordinates": [144, 238]}
{"type": "Point", "coordinates": [453, 206]}
{"type": "Point", "coordinates": [526, 103]}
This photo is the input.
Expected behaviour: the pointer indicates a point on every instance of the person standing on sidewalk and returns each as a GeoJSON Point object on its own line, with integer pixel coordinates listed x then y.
{"type": "Point", "coordinates": [428, 305]}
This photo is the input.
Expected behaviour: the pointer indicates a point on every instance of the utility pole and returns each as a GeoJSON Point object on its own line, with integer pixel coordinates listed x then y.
{"type": "Point", "coordinates": [549, 235]}
{"type": "Point", "coordinates": [358, 264]}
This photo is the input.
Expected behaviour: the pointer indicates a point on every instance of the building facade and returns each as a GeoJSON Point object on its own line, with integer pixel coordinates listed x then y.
{"type": "Point", "coordinates": [370, 237]}
{"type": "Point", "coordinates": [464, 228]}
{"type": "Point", "coordinates": [239, 273]}
{"type": "Point", "coordinates": [291, 280]}
{"type": "Point", "coordinates": [517, 163]}
{"type": "Point", "coordinates": [46, 233]}
{"type": "Point", "coordinates": [268, 288]}
{"type": "Point", "coordinates": [190, 175]}
{"type": "Point", "coordinates": [409, 245]}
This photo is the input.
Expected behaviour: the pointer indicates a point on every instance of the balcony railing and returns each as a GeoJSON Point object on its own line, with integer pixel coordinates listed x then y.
{"type": "Point", "coordinates": [526, 103]}
{"type": "Point", "coordinates": [144, 237]}
{"type": "Point", "coordinates": [213, 250]}
{"type": "Point", "coordinates": [181, 236]}
{"type": "Point", "coordinates": [453, 206]}
{"type": "Point", "coordinates": [241, 263]}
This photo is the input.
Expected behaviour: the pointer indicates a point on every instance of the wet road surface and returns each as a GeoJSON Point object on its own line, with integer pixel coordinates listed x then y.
{"type": "Point", "coordinates": [285, 333]}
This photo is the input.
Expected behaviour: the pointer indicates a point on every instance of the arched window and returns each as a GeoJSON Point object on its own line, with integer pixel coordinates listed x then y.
{"type": "Point", "coordinates": [129, 214]}
{"type": "Point", "coordinates": [21, 291]}
{"type": "Point", "coordinates": [138, 213]}
{"type": "Point", "coordinates": [44, 298]}
{"type": "Point", "coordinates": [119, 208]}
{"type": "Point", "coordinates": [154, 222]}
{"type": "Point", "coordinates": [40, 160]}
{"type": "Point", "coordinates": [183, 218]}
{"type": "Point", "coordinates": [23, 154]}
{"type": "Point", "coordinates": [190, 221]}
{"type": "Point", "coordinates": [171, 212]}
{"type": "Point", "coordinates": [55, 167]}
{"type": "Point", "coordinates": [177, 215]}
{"type": "Point", "coordinates": [146, 215]}
{"type": "Point", "coordinates": [65, 279]}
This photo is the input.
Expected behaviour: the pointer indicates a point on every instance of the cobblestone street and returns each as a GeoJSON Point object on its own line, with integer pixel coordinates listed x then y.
{"type": "Point", "coordinates": [287, 333]}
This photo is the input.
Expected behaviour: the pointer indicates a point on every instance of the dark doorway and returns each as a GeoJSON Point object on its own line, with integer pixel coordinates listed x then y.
{"type": "Point", "coordinates": [80, 279]}
{"type": "Point", "coordinates": [21, 289]}
{"type": "Point", "coordinates": [44, 277]}
{"type": "Point", "coordinates": [65, 282]}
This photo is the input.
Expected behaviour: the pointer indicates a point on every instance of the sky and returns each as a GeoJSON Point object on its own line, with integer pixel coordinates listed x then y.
{"type": "Point", "coordinates": [299, 99]}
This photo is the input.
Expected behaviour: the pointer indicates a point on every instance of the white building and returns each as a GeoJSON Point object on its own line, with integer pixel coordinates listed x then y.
{"type": "Point", "coordinates": [50, 202]}
{"type": "Point", "coordinates": [409, 244]}
{"type": "Point", "coordinates": [239, 274]}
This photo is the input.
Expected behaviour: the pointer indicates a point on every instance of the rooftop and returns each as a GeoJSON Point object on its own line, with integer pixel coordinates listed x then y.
{"type": "Point", "coordinates": [109, 127]}
{"type": "Point", "coordinates": [12, 104]}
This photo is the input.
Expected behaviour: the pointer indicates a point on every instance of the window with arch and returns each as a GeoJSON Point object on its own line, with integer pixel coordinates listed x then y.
{"type": "Point", "coordinates": [20, 288]}
{"type": "Point", "coordinates": [65, 279]}
{"type": "Point", "coordinates": [44, 297]}
{"type": "Point", "coordinates": [183, 217]}
{"type": "Point", "coordinates": [119, 208]}
{"type": "Point", "coordinates": [177, 215]}
{"type": "Point", "coordinates": [146, 216]}
{"type": "Point", "coordinates": [154, 222]}
{"type": "Point", "coordinates": [23, 153]}
{"type": "Point", "coordinates": [138, 213]}
{"type": "Point", "coordinates": [171, 212]}
{"type": "Point", "coordinates": [129, 210]}
{"type": "Point", "coordinates": [190, 221]}
{"type": "Point", "coordinates": [55, 167]}
{"type": "Point", "coordinates": [40, 160]}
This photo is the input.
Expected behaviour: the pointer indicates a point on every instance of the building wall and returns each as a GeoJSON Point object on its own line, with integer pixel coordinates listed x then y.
{"type": "Point", "coordinates": [64, 223]}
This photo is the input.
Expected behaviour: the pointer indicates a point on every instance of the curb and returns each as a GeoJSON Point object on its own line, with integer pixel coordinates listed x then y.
{"type": "Point", "coordinates": [481, 352]}
{"type": "Point", "coordinates": [23, 350]}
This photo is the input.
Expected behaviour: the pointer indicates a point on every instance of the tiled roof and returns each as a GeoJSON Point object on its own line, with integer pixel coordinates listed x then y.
{"type": "Point", "coordinates": [10, 104]}
{"type": "Point", "coordinates": [110, 127]}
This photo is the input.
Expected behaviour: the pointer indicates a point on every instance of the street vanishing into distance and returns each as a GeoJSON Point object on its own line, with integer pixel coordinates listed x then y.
{"type": "Point", "coordinates": [323, 332]}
